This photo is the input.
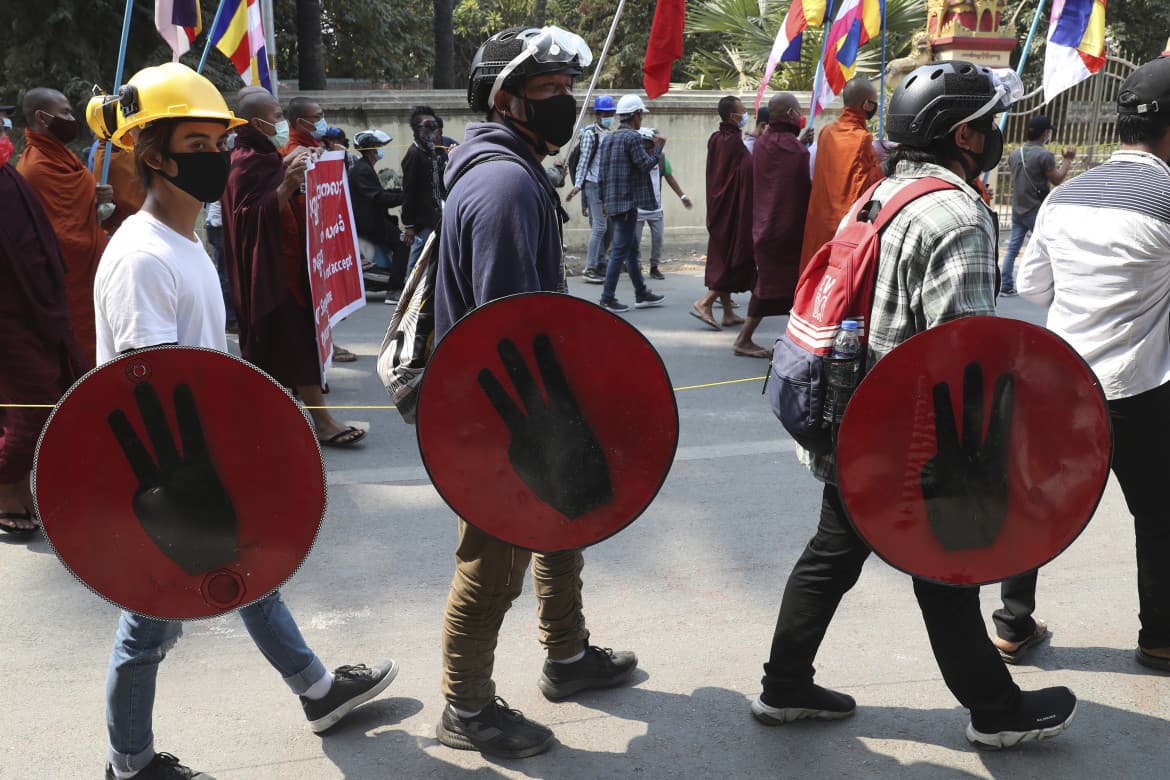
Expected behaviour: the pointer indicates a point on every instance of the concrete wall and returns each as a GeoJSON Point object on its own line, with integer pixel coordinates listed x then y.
{"type": "Point", "coordinates": [686, 118]}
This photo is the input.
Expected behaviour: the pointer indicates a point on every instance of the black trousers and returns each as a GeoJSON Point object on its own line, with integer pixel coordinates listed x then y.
{"type": "Point", "coordinates": [828, 568]}
{"type": "Point", "coordinates": [1141, 439]}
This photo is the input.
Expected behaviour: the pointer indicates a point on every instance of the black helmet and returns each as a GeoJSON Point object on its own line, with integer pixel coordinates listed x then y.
{"type": "Point", "coordinates": [508, 58]}
{"type": "Point", "coordinates": [936, 98]}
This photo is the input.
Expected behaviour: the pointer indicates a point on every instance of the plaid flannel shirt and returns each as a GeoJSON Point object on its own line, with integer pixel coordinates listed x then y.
{"type": "Point", "coordinates": [938, 263]}
{"type": "Point", "coordinates": [625, 173]}
{"type": "Point", "coordinates": [591, 137]}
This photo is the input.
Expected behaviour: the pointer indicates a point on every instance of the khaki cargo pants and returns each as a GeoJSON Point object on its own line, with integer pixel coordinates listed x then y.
{"type": "Point", "coordinates": [489, 575]}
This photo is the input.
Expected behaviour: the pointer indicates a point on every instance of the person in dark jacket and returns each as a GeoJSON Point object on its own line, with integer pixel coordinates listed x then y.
{"type": "Point", "coordinates": [502, 235]}
{"type": "Point", "coordinates": [373, 221]}
{"type": "Point", "coordinates": [422, 177]}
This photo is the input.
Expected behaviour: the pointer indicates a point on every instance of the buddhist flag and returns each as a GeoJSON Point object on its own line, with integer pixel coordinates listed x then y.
{"type": "Point", "coordinates": [664, 47]}
{"type": "Point", "coordinates": [801, 15]}
{"type": "Point", "coordinates": [178, 22]}
{"type": "Point", "coordinates": [239, 34]}
{"type": "Point", "coordinates": [1076, 44]}
{"type": "Point", "coordinates": [857, 22]}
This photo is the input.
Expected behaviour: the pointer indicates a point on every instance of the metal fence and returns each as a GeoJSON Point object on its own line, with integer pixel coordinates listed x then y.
{"type": "Point", "coordinates": [1085, 118]}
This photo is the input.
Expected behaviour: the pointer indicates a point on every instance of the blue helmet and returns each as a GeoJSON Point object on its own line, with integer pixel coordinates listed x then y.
{"type": "Point", "coordinates": [604, 103]}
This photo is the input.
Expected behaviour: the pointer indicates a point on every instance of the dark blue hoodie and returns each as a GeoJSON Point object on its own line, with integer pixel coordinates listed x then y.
{"type": "Point", "coordinates": [501, 230]}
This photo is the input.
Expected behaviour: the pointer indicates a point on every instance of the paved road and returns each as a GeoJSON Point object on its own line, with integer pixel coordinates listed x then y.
{"type": "Point", "coordinates": [693, 587]}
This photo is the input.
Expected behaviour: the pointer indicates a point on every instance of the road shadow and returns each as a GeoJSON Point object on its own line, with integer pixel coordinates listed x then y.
{"type": "Point", "coordinates": [1112, 660]}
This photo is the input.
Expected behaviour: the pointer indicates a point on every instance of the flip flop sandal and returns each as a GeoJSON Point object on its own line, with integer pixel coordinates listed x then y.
{"type": "Point", "coordinates": [753, 353]}
{"type": "Point", "coordinates": [1152, 661]}
{"type": "Point", "coordinates": [340, 439]}
{"type": "Point", "coordinates": [343, 355]}
{"type": "Point", "coordinates": [707, 318]}
{"type": "Point", "coordinates": [733, 322]}
{"type": "Point", "coordinates": [1015, 656]}
{"type": "Point", "coordinates": [17, 532]}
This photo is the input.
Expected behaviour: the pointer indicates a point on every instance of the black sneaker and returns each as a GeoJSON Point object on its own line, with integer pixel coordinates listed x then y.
{"type": "Point", "coordinates": [1041, 714]}
{"type": "Point", "coordinates": [648, 300]}
{"type": "Point", "coordinates": [613, 304]}
{"type": "Point", "coordinates": [591, 276]}
{"type": "Point", "coordinates": [163, 766]}
{"type": "Point", "coordinates": [600, 668]}
{"type": "Point", "coordinates": [496, 731]}
{"type": "Point", "coordinates": [352, 686]}
{"type": "Point", "coordinates": [1008, 292]}
{"type": "Point", "coordinates": [813, 703]}
{"type": "Point", "coordinates": [656, 274]}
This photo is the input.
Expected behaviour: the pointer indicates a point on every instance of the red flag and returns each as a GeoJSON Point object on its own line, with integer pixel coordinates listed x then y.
{"type": "Point", "coordinates": [665, 46]}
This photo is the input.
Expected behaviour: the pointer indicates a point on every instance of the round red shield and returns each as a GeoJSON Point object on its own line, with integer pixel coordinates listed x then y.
{"type": "Point", "coordinates": [975, 451]}
{"type": "Point", "coordinates": [546, 421]}
{"type": "Point", "coordinates": [179, 483]}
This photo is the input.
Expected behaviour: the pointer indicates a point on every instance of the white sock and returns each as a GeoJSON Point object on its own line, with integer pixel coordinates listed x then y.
{"type": "Point", "coordinates": [318, 689]}
{"type": "Point", "coordinates": [464, 713]}
{"type": "Point", "coordinates": [572, 660]}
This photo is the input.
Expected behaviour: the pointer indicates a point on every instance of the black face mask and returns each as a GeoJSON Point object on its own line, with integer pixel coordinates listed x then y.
{"type": "Point", "coordinates": [989, 158]}
{"type": "Point", "coordinates": [552, 120]}
{"type": "Point", "coordinates": [870, 113]}
{"type": "Point", "coordinates": [202, 175]}
{"type": "Point", "coordinates": [64, 130]}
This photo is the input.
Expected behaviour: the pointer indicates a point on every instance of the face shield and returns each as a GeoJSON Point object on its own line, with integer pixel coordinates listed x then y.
{"type": "Point", "coordinates": [551, 46]}
{"type": "Point", "coordinates": [1008, 88]}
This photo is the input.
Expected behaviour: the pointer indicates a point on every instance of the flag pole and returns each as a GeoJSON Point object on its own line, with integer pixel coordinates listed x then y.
{"type": "Point", "coordinates": [882, 93]}
{"type": "Point", "coordinates": [118, 72]}
{"type": "Point", "coordinates": [820, 75]}
{"type": "Point", "coordinates": [207, 43]}
{"type": "Point", "coordinates": [270, 44]}
{"type": "Point", "coordinates": [596, 75]}
{"type": "Point", "coordinates": [1003, 120]}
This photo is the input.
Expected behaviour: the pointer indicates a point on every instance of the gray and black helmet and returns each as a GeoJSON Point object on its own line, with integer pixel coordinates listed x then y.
{"type": "Point", "coordinates": [507, 58]}
{"type": "Point", "coordinates": [936, 98]}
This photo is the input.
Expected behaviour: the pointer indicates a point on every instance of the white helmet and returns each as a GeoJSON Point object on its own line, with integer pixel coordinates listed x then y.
{"type": "Point", "coordinates": [647, 133]}
{"type": "Point", "coordinates": [630, 105]}
{"type": "Point", "coordinates": [371, 139]}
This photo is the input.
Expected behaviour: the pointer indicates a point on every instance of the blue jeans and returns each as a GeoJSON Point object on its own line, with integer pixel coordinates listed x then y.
{"type": "Point", "coordinates": [1021, 227]}
{"type": "Point", "coordinates": [600, 229]}
{"type": "Point", "coordinates": [625, 252]}
{"type": "Point", "coordinates": [142, 643]}
{"type": "Point", "coordinates": [215, 236]}
{"type": "Point", "coordinates": [420, 240]}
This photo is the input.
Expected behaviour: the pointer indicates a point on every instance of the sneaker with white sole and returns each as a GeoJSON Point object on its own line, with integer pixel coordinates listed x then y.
{"type": "Point", "coordinates": [1040, 715]}
{"type": "Point", "coordinates": [812, 703]}
{"type": "Point", "coordinates": [592, 277]}
{"type": "Point", "coordinates": [352, 687]}
{"type": "Point", "coordinates": [614, 305]}
{"type": "Point", "coordinates": [163, 766]}
{"type": "Point", "coordinates": [648, 300]}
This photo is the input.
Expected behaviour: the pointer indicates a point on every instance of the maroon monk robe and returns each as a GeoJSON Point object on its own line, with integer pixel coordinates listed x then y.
{"type": "Point", "coordinates": [730, 267]}
{"type": "Point", "coordinates": [781, 186]}
{"type": "Point", "coordinates": [265, 253]}
{"type": "Point", "coordinates": [39, 355]}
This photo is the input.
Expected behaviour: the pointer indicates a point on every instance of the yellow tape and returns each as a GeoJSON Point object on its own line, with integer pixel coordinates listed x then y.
{"type": "Point", "coordinates": [677, 390]}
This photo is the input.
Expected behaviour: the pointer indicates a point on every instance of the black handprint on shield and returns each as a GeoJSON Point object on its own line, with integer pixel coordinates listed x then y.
{"type": "Point", "coordinates": [966, 487]}
{"type": "Point", "coordinates": [553, 449]}
{"type": "Point", "coordinates": [180, 501]}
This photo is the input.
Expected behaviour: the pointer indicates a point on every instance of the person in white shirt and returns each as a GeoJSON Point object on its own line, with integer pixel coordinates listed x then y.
{"type": "Point", "coordinates": [156, 285]}
{"type": "Point", "coordinates": [1100, 260]}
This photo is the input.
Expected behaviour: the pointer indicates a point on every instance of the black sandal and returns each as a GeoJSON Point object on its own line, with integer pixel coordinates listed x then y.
{"type": "Point", "coordinates": [20, 533]}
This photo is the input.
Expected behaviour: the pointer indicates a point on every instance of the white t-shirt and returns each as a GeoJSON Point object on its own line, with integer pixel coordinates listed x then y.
{"type": "Point", "coordinates": [155, 286]}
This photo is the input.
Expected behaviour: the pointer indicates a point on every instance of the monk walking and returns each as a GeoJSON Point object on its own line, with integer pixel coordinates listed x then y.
{"type": "Point", "coordinates": [70, 197]}
{"type": "Point", "coordinates": [730, 267]}
{"type": "Point", "coordinates": [846, 166]}
{"type": "Point", "coordinates": [128, 192]}
{"type": "Point", "coordinates": [781, 187]}
{"type": "Point", "coordinates": [39, 355]}
{"type": "Point", "coordinates": [265, 250]}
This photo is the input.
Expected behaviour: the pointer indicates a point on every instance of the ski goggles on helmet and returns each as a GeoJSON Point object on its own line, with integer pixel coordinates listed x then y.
{"type": "Point", "coordinates": [549, 46]}
{"type": "Point", "coordinates": [1007, 88]}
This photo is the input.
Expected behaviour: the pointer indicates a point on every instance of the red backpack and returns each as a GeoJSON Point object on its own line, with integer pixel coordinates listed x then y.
{"type": "Point", "coordinates": [837, 284]}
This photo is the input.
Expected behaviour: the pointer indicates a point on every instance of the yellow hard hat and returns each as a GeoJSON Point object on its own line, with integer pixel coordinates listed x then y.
{"type": "Point", "coordinates": [101, 114]}
{"type": "Point", "coordinates": [170, 91]}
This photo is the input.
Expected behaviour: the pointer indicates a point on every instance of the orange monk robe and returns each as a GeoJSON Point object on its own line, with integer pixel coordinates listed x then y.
{"type": "Point", "coordinates": [68, 192]}
{"type": "Point", "coordinates": [128, 192]}
{"type": "Point", "coordinates": [846, 166]}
